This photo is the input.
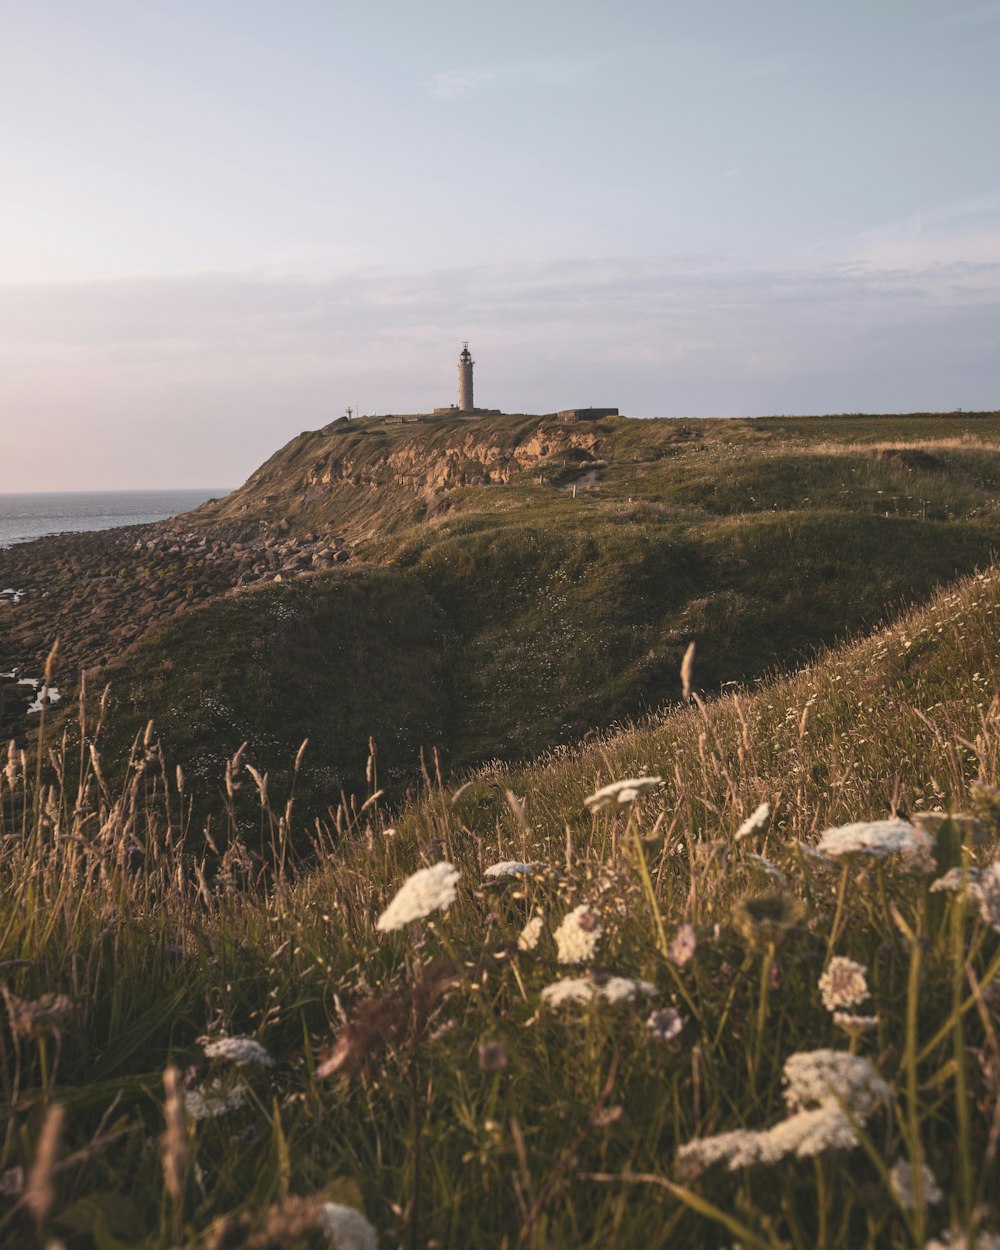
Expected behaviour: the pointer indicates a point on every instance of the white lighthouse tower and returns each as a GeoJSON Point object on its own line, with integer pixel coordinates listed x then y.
{"type": "Point", "coordinates": [465, 363]}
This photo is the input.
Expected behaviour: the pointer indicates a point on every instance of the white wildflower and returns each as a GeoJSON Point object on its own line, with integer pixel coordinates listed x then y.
{"type": "Point", "coordinates": [954, 880]}
{"type": "Point", "coordinates": [583, 990]}
{"type": "Point", "coordinates": [620, 793]}
{"type": "Point", "coordinates": [983, 889]}
{"type": "Point", "coordinates": [665, 1024]}
{"type": "Point", "coordinates": [347, 1229]}
{"type": "Point", "coordinates": [988, 895]}
{"type": "Point", "coordinates": [739, 1149]}
{"type": "Point", "coordinates": [684, 945]}
{"type": "Point", "coordinates": [877, 838]}
{"type": "Point", "coordinates": [804, 1134]}
{"type": "Point", "coordinates": [428, 890]}
{"type": "Point", "coordinates": [810, 852]}
{"type": "Point", "coordinates": [827, 1078]}
{"type": "Point", "coordinates": [901, 1180]}
{"type": "Point", "coordinates": [756, 823]}
{"type": "Point", "coordinates": [211, 1100]}
{"type": "Point", "coordinates": [569, 990]}
{"type": "Point", "coordinates": [843, 984]}
{"type": "Point", "coordinates": [853, 1025]}
{"type": "Point", "coordinates": [955, 1239]}
{"type": "Point", "coordinates": [624, 989]}
{"type": "Point", "coordinates": [809, 1133]}
{"type": "Point", "coordinates": [531, 933]}
{"type": "Point", "coordinates": [239, 1050]}
{"type": "Point", "coordinates": [578, 935]}
{"type": "Point", "coordinates": [509, 868]}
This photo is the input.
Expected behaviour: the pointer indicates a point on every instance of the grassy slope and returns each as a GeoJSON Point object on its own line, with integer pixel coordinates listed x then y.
{"type": "Point", "coordinates": [759, 540]}
{"type": "Point", "coordinates": [336, 658]}
{"type": "Point", "coordinates": [907, 716]}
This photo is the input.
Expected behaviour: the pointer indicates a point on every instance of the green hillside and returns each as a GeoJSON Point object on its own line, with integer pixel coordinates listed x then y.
{"type": "Point", "coordinates": [557, 613]}
{"type": "Point", "coordinates": [426, 1077]}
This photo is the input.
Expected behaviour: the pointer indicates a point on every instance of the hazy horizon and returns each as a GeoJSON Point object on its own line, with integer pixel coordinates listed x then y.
{"type": "Point", "coordinates": [224, 224]}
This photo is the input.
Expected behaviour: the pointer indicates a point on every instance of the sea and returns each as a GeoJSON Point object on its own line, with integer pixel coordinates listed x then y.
{"type": "Point", "coordinates": [27, 516]}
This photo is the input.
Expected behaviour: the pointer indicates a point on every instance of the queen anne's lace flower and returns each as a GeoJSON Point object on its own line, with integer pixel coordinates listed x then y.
{"type": "Point", "coordinates": [578, 935]}
{"type": "Point", "coordinates": [829, 1078]}
{"type": "Point", "coordinates": [988, 895]}
{"type": "Point", "coordinates": [509, 868]}
{"type": "Point", "coordinates": [877, 838]}
{"type": "Point", "coordinates": [583, 990]}
{"type": "Point", "coordinates": [953, 881]}
{"type": "Point", "coordinates": [757, 822]}
{"type": "Point", "coordinates": [901, 1180]}
{"type": "Point", "coordinates": [427, 891]}
{"type": "Point", "coordinates": [239, 1050]}
{"type": "Point", "coordinates": [665, 1024]}
{"type": "Point", "coordinates": [620, 793]}
{"type": "Point", "coordinates": [530, 935]}
{"type": "Point", "coordinates": [955, 1239]}
{"type": "Point", "coordinates": [347, 1229]}
{"type": "Point", "coordinates": [843, 984]}
{"type": "Point", "coordinates": [983, 889]}
{"type": "Point", "coordinates": [853, 1025]}
{"type": "Point", "coordinates": [211, 1100]}
{"type": "Point", "coordinates": [804, 1134]}
{"type": "Point", "coordinates": [684, 945]}
{"type": "Point", "coordinates": [818, 1082]}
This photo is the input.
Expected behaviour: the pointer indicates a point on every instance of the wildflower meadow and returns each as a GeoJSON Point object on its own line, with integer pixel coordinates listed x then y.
{"type": "Point", "coordinates": [726, 977]}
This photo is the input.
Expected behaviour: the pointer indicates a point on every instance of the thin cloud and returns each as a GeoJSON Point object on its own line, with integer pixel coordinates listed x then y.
{"type": "Point", "coordinates": [452, 85]}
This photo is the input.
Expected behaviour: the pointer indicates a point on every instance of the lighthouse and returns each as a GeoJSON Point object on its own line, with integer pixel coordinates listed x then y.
{"type": "Point", "coordinates": [465, 363]}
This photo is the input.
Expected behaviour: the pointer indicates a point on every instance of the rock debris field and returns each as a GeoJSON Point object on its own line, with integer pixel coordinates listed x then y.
{"type": "Point", "coordinates": [96, 593]}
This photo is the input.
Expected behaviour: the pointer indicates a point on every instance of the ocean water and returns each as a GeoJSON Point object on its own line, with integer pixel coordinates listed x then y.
{"type": "Point", "coordinates": [25, 516]}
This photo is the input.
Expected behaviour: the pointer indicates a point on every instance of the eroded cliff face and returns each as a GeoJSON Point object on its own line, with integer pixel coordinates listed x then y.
{"type": "Point", "coordinates": [469, 461]}
{"type": "Point", "coordinates": [418, 460]}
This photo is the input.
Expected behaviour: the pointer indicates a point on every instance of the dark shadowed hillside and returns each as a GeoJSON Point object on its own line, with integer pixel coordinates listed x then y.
{"type": "Point", "coordinates": [526, 579]}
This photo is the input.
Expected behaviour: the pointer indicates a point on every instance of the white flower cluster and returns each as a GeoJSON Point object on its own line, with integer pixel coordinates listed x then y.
{"type": "Point", "coordinates": [854, 1025]}
{"type": "Point", "coordinates": [347, 1229]}
{"type": "Point", "coordinates": [530, 935]}
{"type": "Point", "coordinates": [584, 990]}
{"type": "Point", "coordinates": [955, 1239]}
{"type": "Point", "coordinates": [428, 890]}
{"type": "Point", "coordinates": [681, 950]}
{"type": "Point", "coordinates": [621, 793]}
{"type": "Point", "coordinates": [804, 1134]}
{"type": "Point", "coordinates": [827, 1078]}
{"type": "Point", "coordinates": [509, 868]}
{"type": "Point", "coordinates": [983, 889]}
{"type": "Point", "coordinates": [757, 822]}
{"type": "Point", "coordinates": [242, 1051]}
{"type": "Point", "coordinates": [211, 1100]}
{"type": "Point", "coordinates": [901, 1180]}
{"type": "Point", "coordinates": [877, 838]}
{"type": "Point", "coordinates": [578, 935]}
{"type": "Point", "coordinates": [817, 1081]}
{"type": "Point", "coordinates": [843, 984]}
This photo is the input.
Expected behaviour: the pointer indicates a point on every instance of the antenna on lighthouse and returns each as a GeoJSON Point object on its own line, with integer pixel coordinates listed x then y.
{"type": "Point", "coordinates": [465, 363]}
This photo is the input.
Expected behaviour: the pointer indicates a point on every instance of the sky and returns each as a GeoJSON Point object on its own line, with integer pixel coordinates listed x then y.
{"type": "Point", "coordinates": [224, 221]}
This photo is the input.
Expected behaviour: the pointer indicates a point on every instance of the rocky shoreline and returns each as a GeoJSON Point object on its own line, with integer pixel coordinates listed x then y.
{"type": "Point", "coordinates": [97, 592]}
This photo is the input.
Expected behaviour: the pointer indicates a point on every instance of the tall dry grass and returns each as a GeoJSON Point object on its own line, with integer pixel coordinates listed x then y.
{"type": "Point", "coordinates": [430, 1076]}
